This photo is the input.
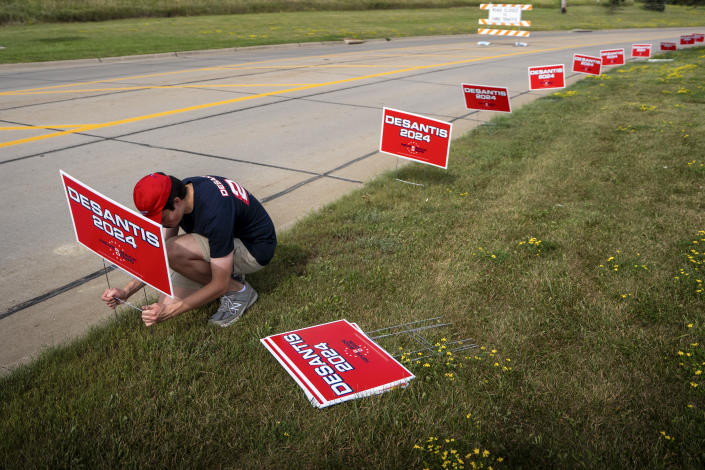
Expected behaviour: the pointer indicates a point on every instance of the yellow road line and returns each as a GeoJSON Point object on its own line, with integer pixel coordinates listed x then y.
{"type": "Point", "coordinates": [311, 66]}
{"type": "Point", "coordinates": [153, 87]}
{"type": "Point", "coordinates": [246, 64]}
{"type": "Point", "coordinates": [53, 88]}
{"type": "Point", "coordinates": [133, 77]}
{"type": "Point", "coordinates": [30, 91]}
{"type": "Point", "coordinates": [90, 127]}
{"type": "Point", "coordinates": [24, 128]}
{"type": "Point", "coordinates": [243, 65]}
{"type": "Point", "coordinates": [411, 54]}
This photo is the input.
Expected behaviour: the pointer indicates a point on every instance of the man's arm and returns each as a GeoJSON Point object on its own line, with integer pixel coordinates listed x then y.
{"type": "Point", "coordinates": [221, 270]}
{"type": "Point", "coordinates": [110, 295]}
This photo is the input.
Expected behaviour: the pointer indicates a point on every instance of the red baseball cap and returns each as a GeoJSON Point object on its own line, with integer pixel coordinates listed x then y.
{"type": "Point", "coordinates": [150, 195]}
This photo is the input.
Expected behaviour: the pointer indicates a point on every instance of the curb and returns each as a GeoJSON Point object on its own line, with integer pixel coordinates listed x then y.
{"type": "Point", "coordinates": [203, 52]}
{"type": "Point", "coordinates": [195, 53]}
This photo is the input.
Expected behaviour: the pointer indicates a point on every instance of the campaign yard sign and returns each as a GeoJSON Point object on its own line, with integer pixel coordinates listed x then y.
{"type": "Point", "coordinates": [544, 77]}
{"type": "Point", "coordinates": [687, 40]}
{"type": "Point", "coordinates": [125, 238]}
{"type": "Point", "coordinates": [612, 57]}
{"type": "Point", "coordinates": [668, 46]}
{"type": "Point", "coordinates": [415, 137]}
{"type": "Point", "coordinates": [336, 362]}
{"type": "Point", "coordinates": [587, 64]}
{"type": "Point", "coordinates": [487, 98]}
{"type": "Point", "coordinates": [641, 51]}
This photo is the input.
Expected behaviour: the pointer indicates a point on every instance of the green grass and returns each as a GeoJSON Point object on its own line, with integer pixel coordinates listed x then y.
{"type": "Point", "coordinates": [32, 11]}
{"type": "Point", "coordinates": [59, 41]}
{"type": "Point", "coordinates": [565, 239]}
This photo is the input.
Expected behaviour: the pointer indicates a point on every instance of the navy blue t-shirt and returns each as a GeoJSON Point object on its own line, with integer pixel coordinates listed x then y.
{"type": "Point", "coordinates": [222, 211]}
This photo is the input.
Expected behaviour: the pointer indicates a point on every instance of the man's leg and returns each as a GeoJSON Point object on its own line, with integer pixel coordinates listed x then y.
{"type": "Point", "coordinates": [236, 301]}
{"type": "Point", "coordinates": [189, 255]}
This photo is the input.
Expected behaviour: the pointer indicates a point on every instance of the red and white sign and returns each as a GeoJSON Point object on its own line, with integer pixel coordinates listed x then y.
{"type": "Point", "coordinates": [487, 98]}
{"type": "Point", "coordinates": [118, 234]}
{"type": "Point", "coordinates": [415, 137]}
{"type": "Point", "coordinates": [698, 37]}
{"type": "Point", "coordinates": [587, 64]}
{"type": "Point", "coordinates": [641, 51]}
{"type": "Point", "coordinates": [544, 77]}
{"type": "Point", "coordinates": [687, 40]}
{"type": "Point", "coordinates": [612, 57]}
{"type": "Point", "coordinates": [668, 46]}
{"type": "Point", "coordinates": [335, 362]}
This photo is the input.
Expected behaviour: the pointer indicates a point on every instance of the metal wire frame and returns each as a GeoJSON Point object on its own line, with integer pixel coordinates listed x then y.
{"type": "Point", "coordinates": [414, 332]}
{"type": "Point", "coordinates": [404, 181]}
{"type": "Point", "coordinates": [402, 325]}
{"type": "Point", "coordinates": [125, 302]}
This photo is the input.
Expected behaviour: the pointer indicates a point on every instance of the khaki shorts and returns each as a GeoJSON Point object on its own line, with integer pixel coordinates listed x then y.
{"type": "Point", "coordinates": [243, 262]}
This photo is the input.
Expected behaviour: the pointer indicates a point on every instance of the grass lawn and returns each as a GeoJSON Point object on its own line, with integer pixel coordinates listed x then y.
{"type": "Point", "coordinates": [565, 239]}
{"type": "Point", "coordinates": [46, 11]}
{"type": "Point", "coordinates": [59, 41]}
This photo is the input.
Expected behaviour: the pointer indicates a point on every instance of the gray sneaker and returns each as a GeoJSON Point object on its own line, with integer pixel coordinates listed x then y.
{"type": "Point", "coordinates": [233, 305]}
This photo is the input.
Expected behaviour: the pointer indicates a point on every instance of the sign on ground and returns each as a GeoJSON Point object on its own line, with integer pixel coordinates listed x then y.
{"type": "Point", "coordinates": [335, 362]}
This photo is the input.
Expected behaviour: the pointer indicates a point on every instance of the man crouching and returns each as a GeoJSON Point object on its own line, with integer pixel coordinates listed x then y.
{"type": "Point", "coordinates": [228, 234]}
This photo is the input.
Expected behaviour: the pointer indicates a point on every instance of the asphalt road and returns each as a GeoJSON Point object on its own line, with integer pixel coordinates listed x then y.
{"type": "Point", "coordinates": [298, 126]}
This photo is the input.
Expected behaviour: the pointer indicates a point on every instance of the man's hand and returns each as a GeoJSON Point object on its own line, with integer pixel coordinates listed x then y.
{"type": "Point", "coordinates": [110, 294]}
{"type": "Point", "coordinates": [154, 313]}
